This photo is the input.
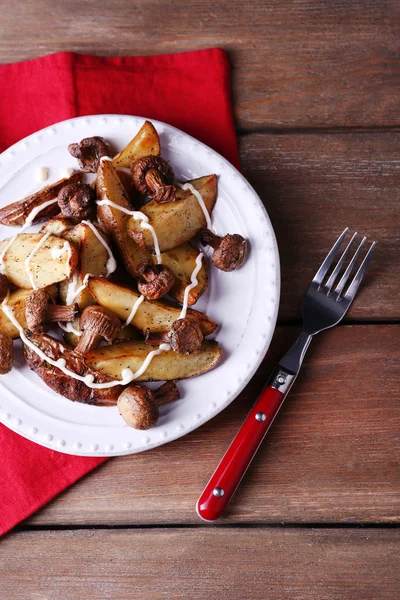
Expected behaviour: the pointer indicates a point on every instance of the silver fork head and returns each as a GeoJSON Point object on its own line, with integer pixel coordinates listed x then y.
{"type": "Point", "coordinates": [325, 303]}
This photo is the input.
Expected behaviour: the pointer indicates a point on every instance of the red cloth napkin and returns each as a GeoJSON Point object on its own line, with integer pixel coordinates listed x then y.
{"type": "Point", "coordinates": [190, 91]}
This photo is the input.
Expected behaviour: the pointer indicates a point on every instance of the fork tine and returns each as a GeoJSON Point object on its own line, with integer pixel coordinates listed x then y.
{"type": "Point", "coordinates": [340, 287]}
{"type": "Point", "coordinates": [322, 271]}
{"type": "Point", "coordinates": [336, 270]}
{"type": "Point", "coordinates": [355, 284]}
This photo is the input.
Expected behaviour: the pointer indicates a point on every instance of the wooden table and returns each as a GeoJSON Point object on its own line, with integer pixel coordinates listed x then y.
{"type": "Point", "coordinates": [316, 89]}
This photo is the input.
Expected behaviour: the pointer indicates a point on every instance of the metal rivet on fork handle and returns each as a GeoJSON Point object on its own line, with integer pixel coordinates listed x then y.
{"type": "Point", "coordinates": [260, 416]}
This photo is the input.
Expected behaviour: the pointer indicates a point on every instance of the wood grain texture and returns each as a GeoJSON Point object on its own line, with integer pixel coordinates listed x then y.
{"type": "Point", "coordinates": [313, 186]}
{"type": "Point", "coordinates": [196, 563]}
{"type": "Point", "coordinates": [332, 454]}
{"type": "Point", "coordinates": [297, 64]}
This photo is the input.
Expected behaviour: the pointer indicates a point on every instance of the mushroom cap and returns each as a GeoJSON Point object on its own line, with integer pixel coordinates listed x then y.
{"type": "Point", "coordinates": [230, 253]}
{"type": "Point", "coordinates": [4, 286]}
{"type": "Point", "coordinates": [76, 201]}
{"type": "Point", "coordinates": [140, 167]}
{"type": "Point", "coordinates": [101, 322]}
{"type": "Point", "coordinates": [89, 152]}
{"type": "Point", "coordinates": [6, 353]}
{"type": "Point", "coordinates": [36, 310]}
{"type": "Point", "coordinates": [185, 336]}
{"type": "Point", "coordinates": [138, 408]}
{"type": "Point", "coordinates": [154, 280]}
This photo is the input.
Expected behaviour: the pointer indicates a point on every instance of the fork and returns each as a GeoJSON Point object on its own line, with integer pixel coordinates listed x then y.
{"type": "Point", "coordinates": [323, 306]}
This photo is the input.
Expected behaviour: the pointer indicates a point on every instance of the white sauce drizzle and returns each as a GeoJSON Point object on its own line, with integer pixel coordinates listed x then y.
{"type": "Point", "coordinates": [196, 193]}
{"type": "Point", "coordinates": [133, 311]}
{"type": "Point", "coordinates": [69, 328]}
{"type": "Point", "coordinates": [192, 284]}
{"type": "Point", "coordinates": [137, 214]}
{"type": "Point", "coordinates": [58, 252]}
{"type": "Point", "coordinates": [73, 289]}
{"type": "Point", "coordinates": [29, 220]}
{"type": "Point", "coordinates": [127, 374]}
{"type": "Point", "coordinates": [111, 263]}
{"type": "Point", "coordinates": [42, 173]}
{"type": "Point", "coordinates": [29, 258]}
{"type": "Point", "coordinates": [68, 172]}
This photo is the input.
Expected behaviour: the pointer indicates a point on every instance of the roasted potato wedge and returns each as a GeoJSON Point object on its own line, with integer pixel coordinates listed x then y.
{"type": "Point", "coordinates": [145, 142]}
{"type": "Point", "coordinates": [57, 225]}
{"type": "Point", "coordinates": [63, 384]}
{"type": "Point", "coordinates": [15, 214]}
{"type": "Point", "coordinates": [156, 316]}
{"type": "Point", "coordinates": [177, 222]}
{"type": "Point", "coordinates": [182, 261]}
{"type": "Point", "coordinates": [113, 221]}
{"type": "Point", "coordinates": [111, 360]}
{"type": "Point", "coordinates": [17, 301]}
{"type": "Point", "coordinates": [93, 259]}
{"type": "Point", "coordinates": [54, 261]}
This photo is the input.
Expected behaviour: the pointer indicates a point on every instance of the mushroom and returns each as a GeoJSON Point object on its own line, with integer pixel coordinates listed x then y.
{"type": "Point", "coordinates": [229, 252]}
{"type": "Point", "coordinates": [185, 336]}
{"type": "Point", "coordinates": [77, 201]}
{"type": "Point", "coordinates": [89, 152]}
{"type": "Point", "coordinates": [153, 176]}
{"type": "Point", "coordinates": [154, 280]}
{"type": "Point", "coordinates": [138, 405]}
{"type": "Point", "coordinates": [6, 353]}
{"type": "Point", "coordinates": [4, 287]}
{"type": "Point", "coordinates": [39, 311]}
{"type": "Point", "coordinates": [97, 323]}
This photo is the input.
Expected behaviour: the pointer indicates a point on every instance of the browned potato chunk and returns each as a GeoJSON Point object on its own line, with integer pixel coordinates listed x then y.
{"type": "Point", "coordinates": [54, 261]}
{"type": "Point", "coordinates": [15, 214]}
{"type": "Point", "coordinates": [182, 262]}
{"type": "Point", "coordinates": [157, 316]}
{"type": "Point", "coordinates": [177, 222]}
{"type": "Point", "coordinates": [144, 143]}
{"type": "Point", "coordinates": [112, 360]}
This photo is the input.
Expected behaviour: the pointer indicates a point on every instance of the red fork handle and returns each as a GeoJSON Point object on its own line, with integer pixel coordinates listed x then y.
{"type": "Point", "coordinates": [239, 455]}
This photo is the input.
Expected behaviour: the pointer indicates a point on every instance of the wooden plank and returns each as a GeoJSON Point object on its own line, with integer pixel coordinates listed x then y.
{"type": "Point", "coordinates": [314, 185]}
{"type": "Point", "coordinates": [228, 564]}
{"type": "Point", "coordinates": [332, 454]}
{"type": "Point", "coordinates": [302, 64]}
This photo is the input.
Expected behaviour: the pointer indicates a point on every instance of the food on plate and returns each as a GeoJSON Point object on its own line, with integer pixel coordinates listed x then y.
{"type": "Point", "coordinates": [182, 262]}
{"type": "Point", "coordinates": [6, 353]}
{"type": "Point", "coordinates": [113, 210]}
{"type": "Point", "coordinates": [17, 213]}
{"type": "Point", "coordinates": [153, 176]}
{"type": "Point", "coordinates": [145, 143]}
{"type": "Point", "coordinates": [40, 311]}
{"type": "Point", "coordinates": [67, 277]}
{"type": "Point", "coordinates": [17, 302]}
{"type": "Point", "coordinates": [77, 201]}
{"type": "Point", "coordinates": [155, 280]}
{"type": "Point", "coordinates": [97, 324]}
{"type": "Point", "coordinates": [184, 337]}
{"type": "Point", "coordinates": [229, 252]}
{"type": "Point", "coordinates": [88, 152]}
{"type": "Point", "coordinates": [36, 260]}
{"type": "Point", "coordinates": [54, 365]}
{"type": "Point", "coordinates": [133, 309]}
{"type": "Point", "coordinates": [138, 405]}
{"type": "Point", "coordinates": [165, 365]}
{"type": "Point", "coordinates": [175, 223]}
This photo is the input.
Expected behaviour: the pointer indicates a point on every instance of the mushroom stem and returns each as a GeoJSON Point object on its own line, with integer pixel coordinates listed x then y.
{"type": "Point", "coordinates": [97, 323]}
{"type": "Point", "coordinates": [153, 176]}
{"type": "Point", "coordinates": [64, 314]}
{"type": "Point", "coordinates": [185, 336]}
{"type": "Point", "coordinates": [230, 251]}
{"type": "Point", "coordinates": [154, 280]}
{"type": "Point", "coordinates": [162, 192]}
{"type": "Point", "coordinates": [168, 392]}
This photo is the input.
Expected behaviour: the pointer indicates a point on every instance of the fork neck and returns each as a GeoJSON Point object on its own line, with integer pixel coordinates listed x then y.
{"type": "Point", "coordinates": [293, 359]}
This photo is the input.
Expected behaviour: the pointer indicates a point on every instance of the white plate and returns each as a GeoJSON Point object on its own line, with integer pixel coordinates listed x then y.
{"type": "Point", "coordinates": [244, 303]}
